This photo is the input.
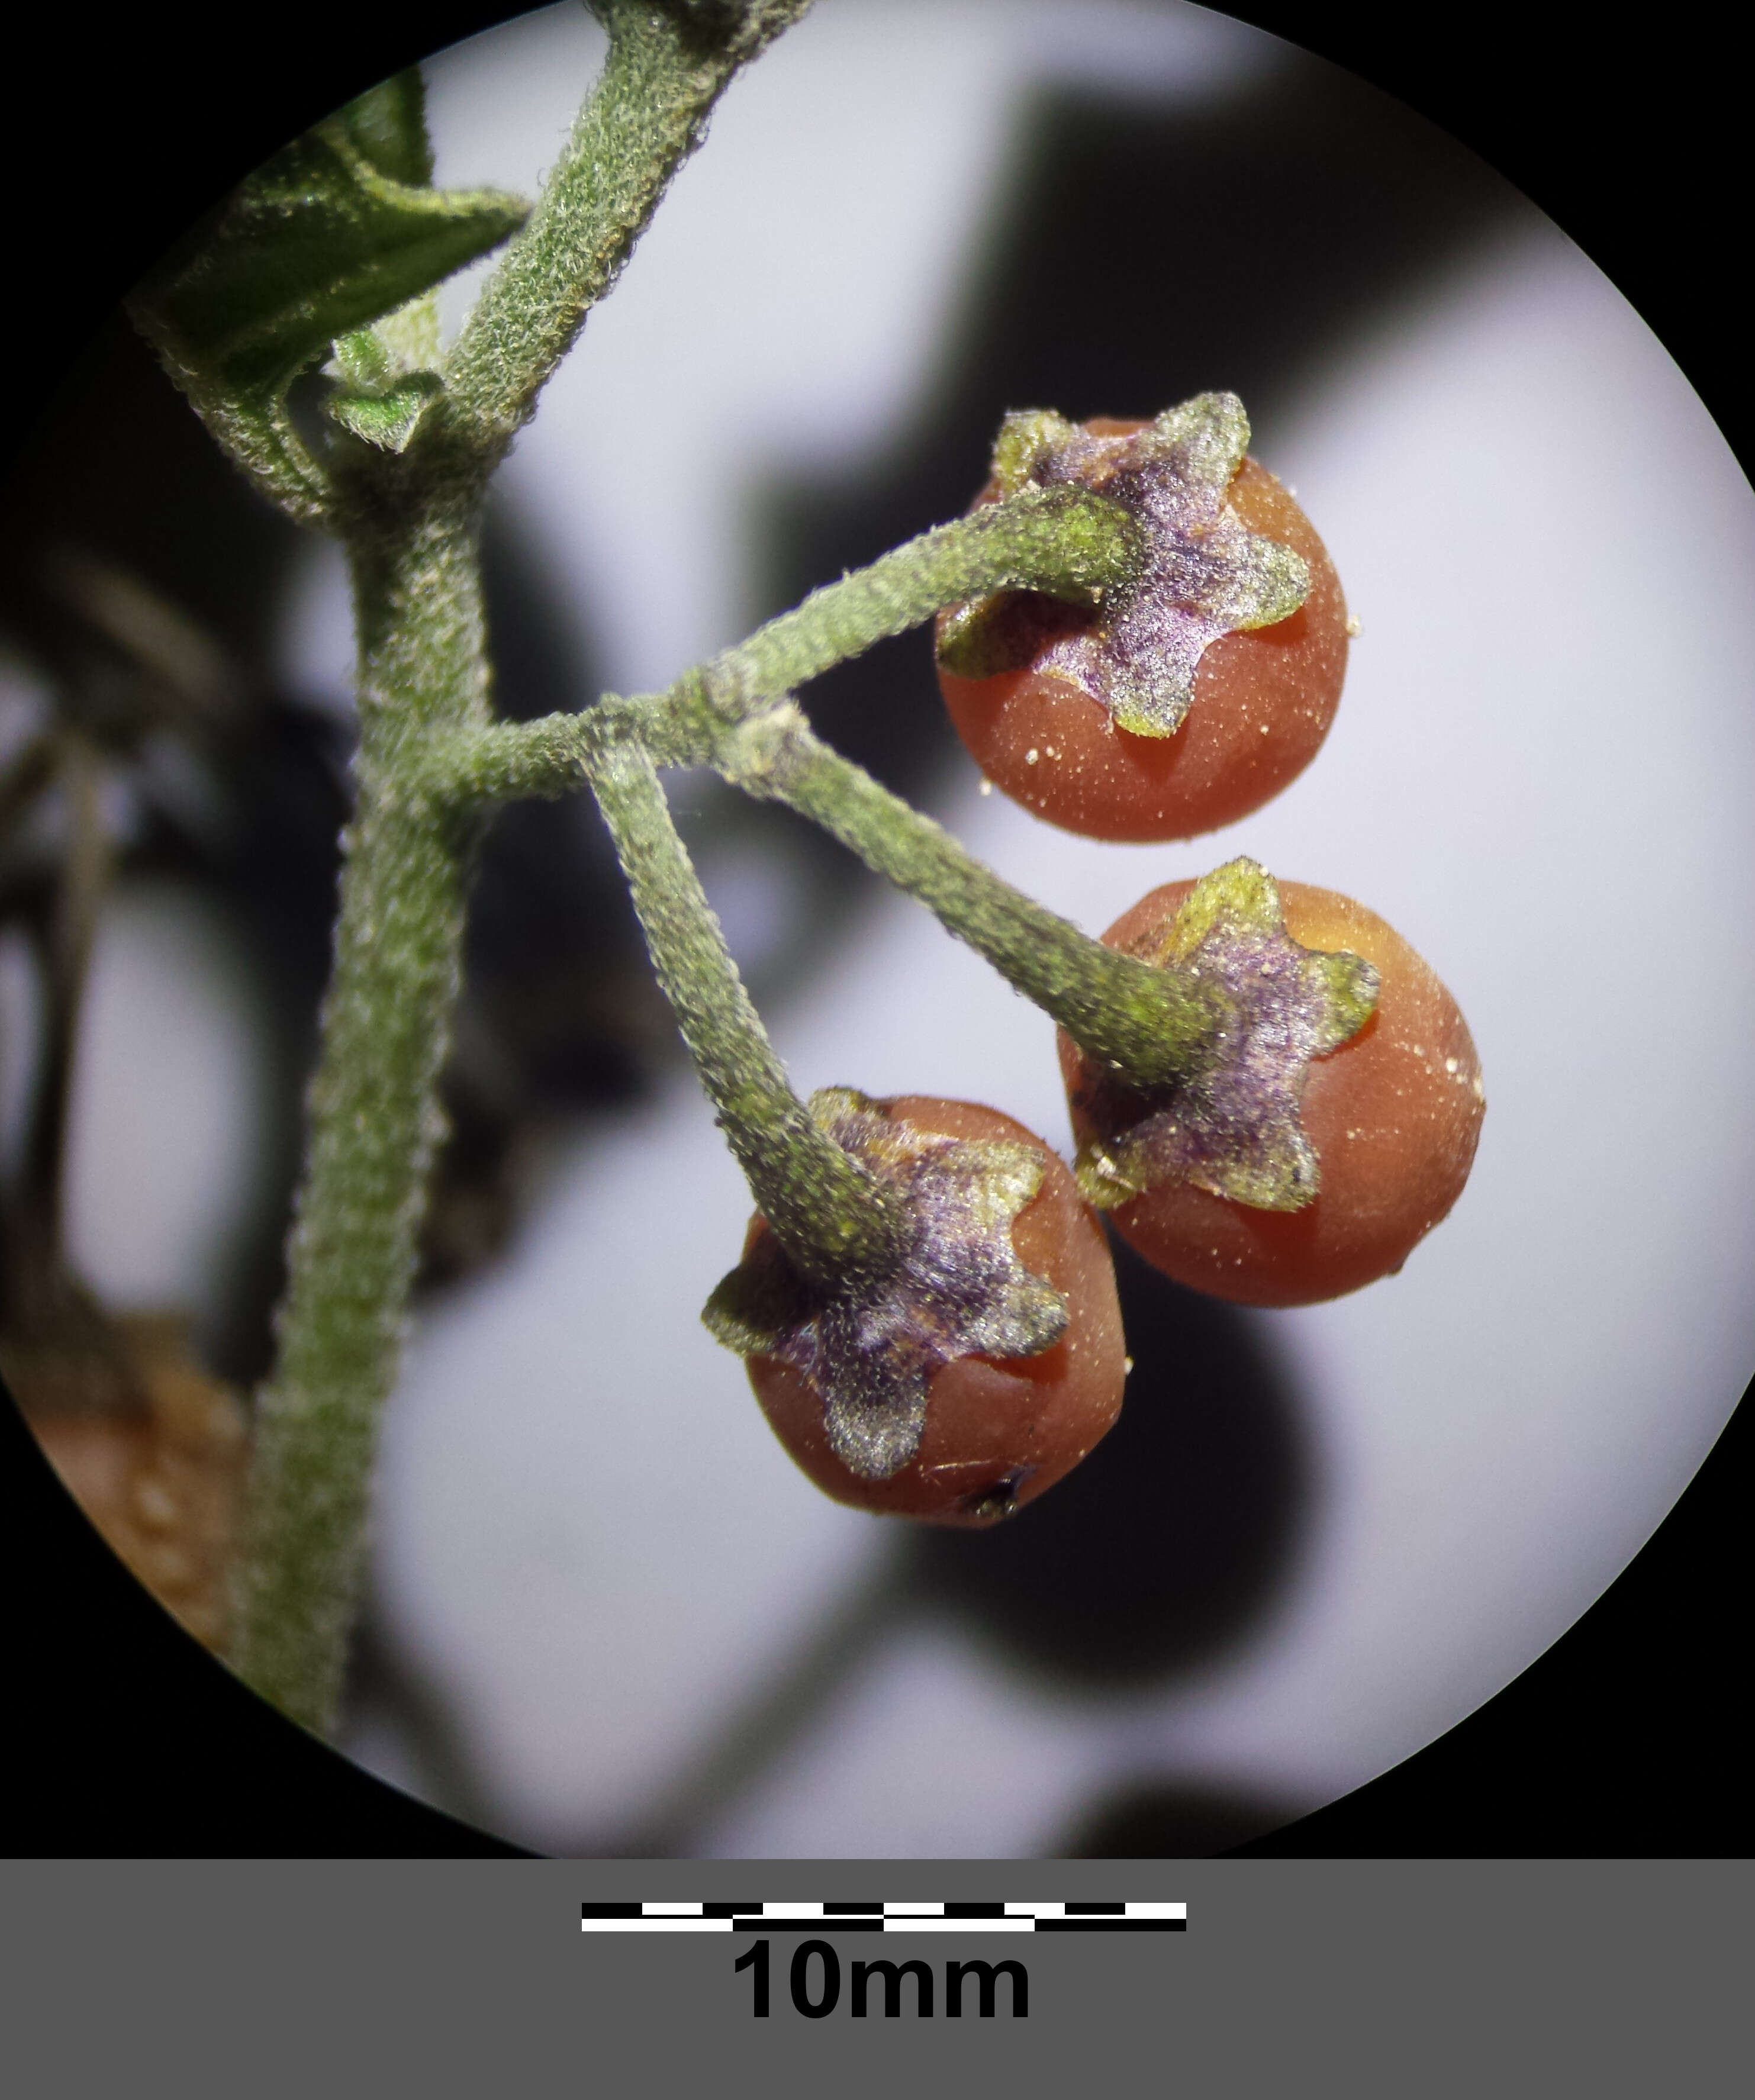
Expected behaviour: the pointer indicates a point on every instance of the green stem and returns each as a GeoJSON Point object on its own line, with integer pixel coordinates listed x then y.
{"type": "Point", "coordinates": [668, 65]}
{"type": "Point", "coordinates": [1151, 1024]}
{"type": "Point", "coordinates": [731, 715]}
{"type": "Point", "coordinates": [411, 525]}
{"type": "Point", "coordinates": [831, 1216]}
{"type": "Point", "coordinates": [1068, 542]}
{"type": "Point", "coordinates": [375, 1123]}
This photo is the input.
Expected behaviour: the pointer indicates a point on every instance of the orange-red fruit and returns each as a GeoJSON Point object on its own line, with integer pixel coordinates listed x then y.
{"type": "Point", "coordinates": [1394, 1115]}
{"type": "Point", "coordinates": [1263, 704]}
{"type": "Point", "coordinates": [997, 1433]}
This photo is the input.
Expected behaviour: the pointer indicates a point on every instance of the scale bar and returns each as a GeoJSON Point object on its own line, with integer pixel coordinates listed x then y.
{"type": "Point", "coordinates": [949, 1916]}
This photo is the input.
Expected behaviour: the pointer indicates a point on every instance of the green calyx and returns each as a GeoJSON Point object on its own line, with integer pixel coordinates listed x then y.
{"type": "Point", "coordinates": [336, 232]}
{"type": "Point", "coordinates": [1202, 573]}
{"type": "Point", "coordinates": [1029, 440]}
{"type": "Point", "coordinates": [870, 1342]}
{"type": "Point", "coordinates": [1231, 1126]}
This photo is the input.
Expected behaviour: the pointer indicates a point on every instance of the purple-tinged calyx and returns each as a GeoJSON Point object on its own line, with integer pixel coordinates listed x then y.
{"type": "Point", "coordinates": [1203, 573]}
{"type": "Point", "coordinates": [871, 1344]}
{"type": "Point", "coordinates": [1232, 1126]}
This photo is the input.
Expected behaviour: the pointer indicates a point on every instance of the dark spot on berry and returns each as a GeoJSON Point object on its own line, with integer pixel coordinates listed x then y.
{"type": "Point", "coordinates": [998, 1499]}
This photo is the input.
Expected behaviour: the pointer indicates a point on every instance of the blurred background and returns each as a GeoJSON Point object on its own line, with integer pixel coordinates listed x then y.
{"type": "Point", "coordinates": [607, 1615]}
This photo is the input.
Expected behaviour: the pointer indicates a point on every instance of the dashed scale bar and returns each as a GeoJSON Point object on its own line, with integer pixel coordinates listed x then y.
{"type": "Point", "coordinates": [883, 1917]}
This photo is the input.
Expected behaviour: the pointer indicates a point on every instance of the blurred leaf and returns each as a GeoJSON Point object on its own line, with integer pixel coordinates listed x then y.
{"type": "Point", "coordinates": [388, 125]}
{"type": "Point", "coordinates": [326, 238]}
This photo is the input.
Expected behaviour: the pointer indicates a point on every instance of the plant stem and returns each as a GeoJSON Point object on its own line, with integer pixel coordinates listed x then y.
{"type": "Point", "coordinates": [668, 65]}
{"type": "Point", "coordinates": [1068, 542]}
{"type": "Point", "coordinates": [731, 714]}
{"type": "Point", "coordinates": [1151, 1025]}
{"type": "Point", "coordinates": [411, 527]}
{"type": "Point", "coordinates": [375, 1123]}
{"type": "Point", "coordinates": [831, 1216]}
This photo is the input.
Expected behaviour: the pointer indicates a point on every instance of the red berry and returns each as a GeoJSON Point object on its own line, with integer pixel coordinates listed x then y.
{"type": "Point", "coordinates": [997, 1432]}
{"type": "Point", "coordinates": [1263, 700]}
{"type": "Point", "coordinates": [1394, 1115]}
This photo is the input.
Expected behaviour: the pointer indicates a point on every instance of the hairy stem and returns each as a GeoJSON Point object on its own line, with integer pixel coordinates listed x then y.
{"type": "Point", "coordinates": [732, 714]}
{"type": "Point", "coordinates": [1068, 542]}
{"type": "Point", "coordinates": [375, 1122]}
{"type": "Point", "coordinates": [668, 63]}
{"type": "Point", "coordinates": [831, 1216]}
{"type": "Point", "coordinates": [1150, 1024]}
{"type": "Point", "coordinates": [411, 526]}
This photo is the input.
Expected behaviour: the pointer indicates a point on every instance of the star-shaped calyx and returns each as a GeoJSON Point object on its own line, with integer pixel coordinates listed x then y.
{"type": "Point", "coordinates": [1233, 1126]}
{"type": "Point", "coordinates": [1203, 573]}
{"type": "Point", "coordinates": [870, 1343]}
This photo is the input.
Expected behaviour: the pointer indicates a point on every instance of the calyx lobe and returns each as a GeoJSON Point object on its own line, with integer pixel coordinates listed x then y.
{"type": "Point", "coordinates": [1232, 1126]}
{"type": "Point", "coordinates": [871, 1344]}
{"type": "Point", "coordinates": [1202, 573]}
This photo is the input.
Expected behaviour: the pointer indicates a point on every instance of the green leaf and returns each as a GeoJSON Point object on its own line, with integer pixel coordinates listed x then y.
{"type": "Point", "coordinates": [315, 244]}
{"type": "Point", "coordinates": [386, 420]}
{"type": "Point", "coordinates": [325, 238]}
{"type": "Point", "coordinates": [388, 125]}
{"type": "Point", "coordinates": [364, 361]}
